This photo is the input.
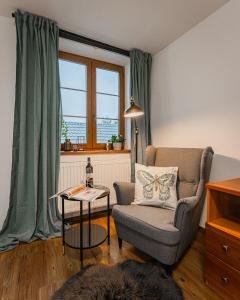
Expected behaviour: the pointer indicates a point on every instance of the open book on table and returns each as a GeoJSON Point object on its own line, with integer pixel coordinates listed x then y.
{"type": "Point", "coordinates": [80, 192]}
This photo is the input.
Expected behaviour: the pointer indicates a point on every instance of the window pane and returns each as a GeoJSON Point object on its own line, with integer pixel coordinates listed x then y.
{"type": "Point", "coordinates": [73, 75]}
{"type": "Point", "coordinates": [107, 81]}
{"type": "Point", "coordinates": [107, 106]}
{"type": "Point", "coordinates": [76, 129]}
{"type": "Point", "coordinates": [74, 103]}
{"type": "Point", "coordinates": [105, 129]}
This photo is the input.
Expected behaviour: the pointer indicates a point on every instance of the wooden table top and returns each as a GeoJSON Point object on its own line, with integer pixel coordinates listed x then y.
{"type": "Point", "coordinates": [231, 186]}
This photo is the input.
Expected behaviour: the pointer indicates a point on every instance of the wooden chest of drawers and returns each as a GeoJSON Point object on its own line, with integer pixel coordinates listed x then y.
{"type": "Point", "coordinates": [222, 259]}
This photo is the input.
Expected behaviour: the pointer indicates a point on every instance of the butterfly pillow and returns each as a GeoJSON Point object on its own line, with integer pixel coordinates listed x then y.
{"type": "Point", "coordinates": [156, 186]}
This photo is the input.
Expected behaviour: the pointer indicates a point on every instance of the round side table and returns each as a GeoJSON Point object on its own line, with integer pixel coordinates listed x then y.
{"type": "Point", "coordinates": [86, 236]}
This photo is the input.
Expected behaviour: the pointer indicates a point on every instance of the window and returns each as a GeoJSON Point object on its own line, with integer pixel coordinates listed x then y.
{"type": "Point", "coordinates": [92, 99]}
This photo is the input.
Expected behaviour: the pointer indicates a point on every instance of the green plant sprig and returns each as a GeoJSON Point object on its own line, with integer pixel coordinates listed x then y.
{"type": "Point", "coordinates": [116, 139]}
{"type": "Point", "coordinates": [64, 129]}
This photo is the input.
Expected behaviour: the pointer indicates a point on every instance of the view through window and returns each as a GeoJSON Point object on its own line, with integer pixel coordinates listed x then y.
{"type": "Point", "coordinates": [92, 95]}
{"type": "Point", "coordinates": [73, 82]}
{"type": "Point", "coordinates": [107, 97]}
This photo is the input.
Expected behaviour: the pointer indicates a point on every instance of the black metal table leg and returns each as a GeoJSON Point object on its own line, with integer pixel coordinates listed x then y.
{"type": "Point", "coordinates": [96, 233]}
{"type": "Point", "coordinates": [89, 224]}
{"type": "Point", "coordinates": [63, 223]}
{"type": "Point", "coordinates": [81, 233]}
{"type": "Point", "coordinates": [108, 219]}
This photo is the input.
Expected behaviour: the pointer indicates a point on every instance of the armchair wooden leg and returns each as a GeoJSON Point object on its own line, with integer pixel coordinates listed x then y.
{"type": "Point", "coordinates": [168, 269]}
{"type": "Point", "coordinates": [120, 243]}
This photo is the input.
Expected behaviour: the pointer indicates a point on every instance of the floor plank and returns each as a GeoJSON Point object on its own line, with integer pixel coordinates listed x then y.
{"type": "Point", "coordinates": [34, 271]}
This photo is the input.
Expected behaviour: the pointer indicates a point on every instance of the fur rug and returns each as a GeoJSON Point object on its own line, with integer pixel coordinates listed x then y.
{"type": "Point", "coordinates": [126, 281]}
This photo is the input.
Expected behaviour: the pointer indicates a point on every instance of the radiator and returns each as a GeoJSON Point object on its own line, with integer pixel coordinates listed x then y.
{"type": "Point", "coordinates": [107, 168]}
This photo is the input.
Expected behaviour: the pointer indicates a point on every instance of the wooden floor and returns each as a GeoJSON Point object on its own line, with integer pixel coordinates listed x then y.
{"type": "Point", "coordinates": [34, 271]}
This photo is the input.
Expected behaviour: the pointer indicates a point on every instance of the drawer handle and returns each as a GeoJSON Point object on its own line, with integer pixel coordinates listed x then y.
{"type": "Point", "coordinates": [225, 248]}
{"type": "Point", "coordinates": [225, 280]}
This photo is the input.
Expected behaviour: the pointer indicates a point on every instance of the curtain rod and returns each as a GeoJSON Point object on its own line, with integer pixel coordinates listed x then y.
{"type": "Point", "coordinates": [85, 40]}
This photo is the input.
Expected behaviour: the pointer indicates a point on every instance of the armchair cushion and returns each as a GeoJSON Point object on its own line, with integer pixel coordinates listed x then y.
{"type": "Point", "coordinates": [154, 223]}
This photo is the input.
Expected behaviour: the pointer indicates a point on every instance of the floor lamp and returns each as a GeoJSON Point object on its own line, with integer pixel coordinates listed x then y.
{"type": "Point", "coordinates": [134, 112]}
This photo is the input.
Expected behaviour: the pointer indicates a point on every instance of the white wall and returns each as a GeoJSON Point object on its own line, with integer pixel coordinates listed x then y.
{"type": "Point", "coordinates": [196, 91]}
{"type": "Point", "coordinates": [7, 99]}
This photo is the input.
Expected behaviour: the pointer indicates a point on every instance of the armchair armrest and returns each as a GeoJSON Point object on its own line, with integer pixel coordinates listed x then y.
{"type": "Point", "coordinates": [185, 212]}
{"type": "Point", "coordinates": [124, 192]}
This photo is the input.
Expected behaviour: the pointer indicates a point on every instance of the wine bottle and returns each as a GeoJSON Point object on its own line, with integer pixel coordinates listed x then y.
{"type": "Point", "coordinates": [89, 173]}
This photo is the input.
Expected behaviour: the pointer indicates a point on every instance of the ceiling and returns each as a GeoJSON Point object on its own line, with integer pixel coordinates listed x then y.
{"type": "Point", "coordinates": [149, 25]}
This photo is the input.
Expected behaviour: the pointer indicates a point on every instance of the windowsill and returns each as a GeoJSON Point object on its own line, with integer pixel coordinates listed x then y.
{"type": "Point", "coordinates": [87, 152]}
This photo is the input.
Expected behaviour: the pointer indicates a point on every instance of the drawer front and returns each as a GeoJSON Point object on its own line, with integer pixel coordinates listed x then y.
{"type": "Point", "coordinates": [223, 246]}
{"type": "Point", "coordinates": [222, 278]}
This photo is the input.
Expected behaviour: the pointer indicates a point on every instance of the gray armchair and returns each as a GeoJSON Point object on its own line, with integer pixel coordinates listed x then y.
{"type": "Point", "coordinates": [161, 233]}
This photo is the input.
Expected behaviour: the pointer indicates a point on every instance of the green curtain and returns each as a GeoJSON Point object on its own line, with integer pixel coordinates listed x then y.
{"type": "Point", "coordinates": [140, 89]}
{"type": "Point", "coordinates": [36, 136]}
